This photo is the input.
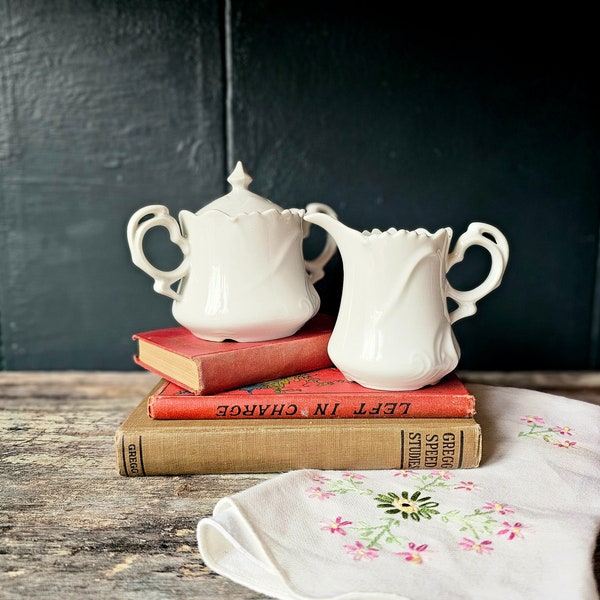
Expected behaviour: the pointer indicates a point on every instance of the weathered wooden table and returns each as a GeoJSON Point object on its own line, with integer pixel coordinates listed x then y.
{"type": "Point", "coordinates": [71, 527]}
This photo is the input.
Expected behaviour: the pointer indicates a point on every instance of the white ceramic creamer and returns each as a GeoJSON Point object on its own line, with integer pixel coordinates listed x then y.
{"type": "Point", "coordinates": [393, 330]}
{"type": "Point", "coordinates": [243, 275]}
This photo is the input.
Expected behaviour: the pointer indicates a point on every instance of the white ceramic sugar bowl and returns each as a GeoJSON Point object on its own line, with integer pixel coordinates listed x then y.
{"type": "Point", "coordinates": [243, 275]}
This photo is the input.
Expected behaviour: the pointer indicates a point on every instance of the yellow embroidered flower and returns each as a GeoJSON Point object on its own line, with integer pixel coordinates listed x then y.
{"type": "Point", "coordinates": [414, 507]}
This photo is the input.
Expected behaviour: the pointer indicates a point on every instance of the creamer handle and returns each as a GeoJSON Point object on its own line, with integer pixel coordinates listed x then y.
{"type": "Point", "coordinates": [315, 267]}
{"type": "Point", "coordinates": [498, 249]}
{"type": "Point", "coordinates": [137, 229]}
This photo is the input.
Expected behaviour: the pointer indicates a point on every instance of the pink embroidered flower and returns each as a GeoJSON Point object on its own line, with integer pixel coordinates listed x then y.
{"type": "Point", "coordinates": [562, 430]}
{"type": "Point", "coordinates": [404, 473]}
{"type": "Point", "coordinates": [318, 478]}
{"type": "Point", "coordinates": [566, 444]}
{"type": "Point", "coordinates": [359, 551]}
{"type": "Point", "coordinates": [469, 486]}
{"type": "Point", "coordinates": [336, 526]}
{"type": "Point", "coordinates": [353, 475]}
{"type": "Point", "coordinates": [533, 420]}
{"type": "Point", "coordinates": [443, 474]}
{"type": "Point", "coordinates": [478, 547]}
{"type": "Point", "coordinates": [513, 531]}
{"type": "Point", "coordinates": [415, 555]}
{"type": "Point", "coordinates": [317, 492]}
{"type": "Point", "coordinates": [503, 509]}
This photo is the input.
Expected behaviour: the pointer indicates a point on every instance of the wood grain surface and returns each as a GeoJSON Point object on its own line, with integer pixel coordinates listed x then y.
{"type": "Point", "coordinates": [71, 527]}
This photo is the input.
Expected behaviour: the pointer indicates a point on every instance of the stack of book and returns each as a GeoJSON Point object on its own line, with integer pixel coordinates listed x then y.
{"type": "Point", "coordinates": [263, 407]}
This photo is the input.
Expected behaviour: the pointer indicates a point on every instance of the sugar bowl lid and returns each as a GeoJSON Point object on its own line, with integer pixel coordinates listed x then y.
{"type": "Point", "coordinates": [240, 200]}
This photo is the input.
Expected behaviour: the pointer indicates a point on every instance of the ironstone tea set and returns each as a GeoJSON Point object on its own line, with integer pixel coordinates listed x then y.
{"type": "Point", "coordinates": [244, 277]}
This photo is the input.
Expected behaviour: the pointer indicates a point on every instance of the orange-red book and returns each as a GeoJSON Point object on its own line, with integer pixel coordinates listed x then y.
{"type": "Point", "coordinates": [204, 367]}
{"type": "Point", "coordinates": [323, 393]}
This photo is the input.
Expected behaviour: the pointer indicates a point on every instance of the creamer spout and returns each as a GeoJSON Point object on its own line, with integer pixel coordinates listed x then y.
{"type": "Point", "coordinates": [335, 228]}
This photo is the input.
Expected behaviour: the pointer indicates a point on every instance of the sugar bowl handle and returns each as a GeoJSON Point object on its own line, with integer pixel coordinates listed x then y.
{"type": "Point", "coordinates": [137, 229]}
{"type": "Point", "coordinates": [315, 267]}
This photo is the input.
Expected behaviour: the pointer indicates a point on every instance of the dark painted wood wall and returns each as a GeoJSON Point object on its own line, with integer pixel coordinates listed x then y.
{"type": "Point", "coordinates": [108, 106]}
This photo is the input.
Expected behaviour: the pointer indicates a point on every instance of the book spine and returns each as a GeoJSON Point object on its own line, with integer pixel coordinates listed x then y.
{"type": "Point", "coordinates": [307, 406]}
{"type": "Point", "coordinates": [280, 358]}
{"type": "Point", "coordinates": [368, 444]}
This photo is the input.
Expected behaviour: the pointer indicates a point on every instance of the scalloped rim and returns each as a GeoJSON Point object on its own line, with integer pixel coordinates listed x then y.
{"type": "Point", "coordinates": [415, 233]}
{"type": "Point", "coordinates": [299, 212]}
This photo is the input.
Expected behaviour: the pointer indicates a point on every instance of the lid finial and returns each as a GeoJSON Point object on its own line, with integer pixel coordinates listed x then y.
{"type": "Point", "coordinates": [239, 177]}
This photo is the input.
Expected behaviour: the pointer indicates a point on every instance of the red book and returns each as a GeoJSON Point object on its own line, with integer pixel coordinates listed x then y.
{"type": "Point", "coordinates": [205, 367]}
{"type": "Point", "coordinates": [323, 393]}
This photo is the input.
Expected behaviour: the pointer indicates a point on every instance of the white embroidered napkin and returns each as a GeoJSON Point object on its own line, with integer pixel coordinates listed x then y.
{"type": "Point", "coordinates": [522, 525]}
